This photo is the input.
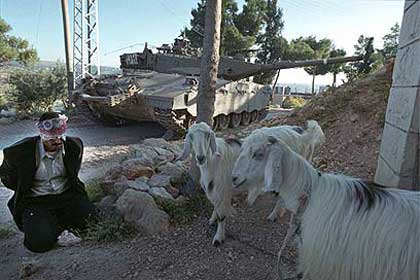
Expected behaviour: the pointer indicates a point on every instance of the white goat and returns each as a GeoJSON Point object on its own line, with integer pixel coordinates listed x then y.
{"type": "Point", "coordinates": [215, 158]}
{"type": "Point", "coordinates": [351, 229]}
{"type": "Point", "coordinates": [299, 140]}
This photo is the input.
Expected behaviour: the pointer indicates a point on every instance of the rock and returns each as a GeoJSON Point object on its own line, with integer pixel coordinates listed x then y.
{"type": "Point", "coordinates": [107, 204]}
{"type": "Point", "coordinates": [29, 268]}
{"type": "Point", "coordinates": [189, 187]}
{"type": "Point", "coordinates": [7, 113]}
{"type": "Point", "coordinates": [114, 172]}
{"type": "Point", "coordinates": [138, 185]}
{"type": "Point", "coordinates": [107, 185]}
{"type": "Point", "coordinates": [6, 120]}
{"type": "Point", "coordinates": [140, 209]}
{"type": "Point", "coordinates": [143, 151]}
{"type": "Point", "coordinates": [160, 193]}
{"type": "Point", "coordinates": [140, 161]}
{"type": "Point", "coordinates": [158, 180]}
{"type": "Point", "coordinates": [173, 191]}
{"type": "Point", "coordinates": [354, 118]}
{"type": "Point", "coordinates": [177, 172]}
{"type": "Point", "coordinates": [119, 188]}
{"type": "Point", "coordinates": [108, 200]}
{"type": "Point", "coordinates": [134, 172]}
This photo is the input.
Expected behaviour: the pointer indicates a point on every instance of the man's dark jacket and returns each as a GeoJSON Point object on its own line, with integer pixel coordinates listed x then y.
{"type": "Point", "coordinates": [18, 170]}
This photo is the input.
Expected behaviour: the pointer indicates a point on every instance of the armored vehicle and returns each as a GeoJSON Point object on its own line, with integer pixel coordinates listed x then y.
{"type": "Point", "coordinates": [163, 87]}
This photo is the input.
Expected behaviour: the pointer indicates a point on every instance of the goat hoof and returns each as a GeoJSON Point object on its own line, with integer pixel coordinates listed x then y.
{"type": "Point", "coordinates": [272, 218]}
{"type": "Point", "coordinates": [217, 243]}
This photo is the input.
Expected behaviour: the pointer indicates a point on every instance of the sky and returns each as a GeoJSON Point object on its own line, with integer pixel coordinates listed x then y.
{"type": "Point", "coordinates": [125, 23]}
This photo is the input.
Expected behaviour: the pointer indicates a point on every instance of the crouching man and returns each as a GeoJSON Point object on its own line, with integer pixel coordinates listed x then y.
{"type": "Point", "coordinates": [43, 173]}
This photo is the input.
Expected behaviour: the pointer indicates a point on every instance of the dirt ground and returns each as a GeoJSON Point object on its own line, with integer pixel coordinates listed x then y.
{"type": "Point", "coordinates": [250, 252]}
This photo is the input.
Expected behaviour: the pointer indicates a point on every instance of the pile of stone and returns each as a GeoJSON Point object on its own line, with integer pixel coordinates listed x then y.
{"type": "Point", "coordinates": [7, 116]}
{"type": "Point", "coordinates": [150, 173]}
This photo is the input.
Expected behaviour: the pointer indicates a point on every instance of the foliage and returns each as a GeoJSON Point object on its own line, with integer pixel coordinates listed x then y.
{"type": "Point", "coordinates": [36, 90]}
{"type": "Point", "coordinates": [391, 42]}
{"type": "Point", "coordinates": [93, 190]}
{"type": "Point", "coordinates": [6, 230]}
{"type": "Point", "coordinates": [186, 212]}
{"type": "Point", "coordinates": [299, 50]}
{"type": "Point", "coordinates": [14, 48]}
{"type": "Point", "coordinates": [273, 46]}
{"type": "Point", "coordinates": [370, 63]}
{"type": "Point", "coordinates": [108, 228]}
{"type": "Point", "coordinates": [335, 69]}
{"type": "Point", "coordinates": [293, 102]}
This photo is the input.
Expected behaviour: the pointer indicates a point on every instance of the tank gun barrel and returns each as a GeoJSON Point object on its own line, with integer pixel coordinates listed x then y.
{"type": "Point", "coordinates": [255, 69]}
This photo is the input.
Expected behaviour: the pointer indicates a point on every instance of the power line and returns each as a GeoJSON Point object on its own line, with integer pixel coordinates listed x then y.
{"type": "Point", "coordinates": [39, 20]}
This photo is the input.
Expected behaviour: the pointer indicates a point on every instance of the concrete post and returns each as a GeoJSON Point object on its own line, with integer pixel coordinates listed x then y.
{"type": "Point", "coordinates": [398, 164]}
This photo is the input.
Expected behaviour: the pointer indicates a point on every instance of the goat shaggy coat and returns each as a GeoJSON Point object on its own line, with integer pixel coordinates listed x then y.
{"type": "Point", "coordinates": [350, 229]}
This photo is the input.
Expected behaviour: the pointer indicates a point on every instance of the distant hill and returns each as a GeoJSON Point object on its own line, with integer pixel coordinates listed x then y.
{"type": "Point", "coordinates": [45, 64]}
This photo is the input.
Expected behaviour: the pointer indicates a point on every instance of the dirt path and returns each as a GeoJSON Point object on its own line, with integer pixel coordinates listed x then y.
{"type": "Point", "coordinates": [250, 252]}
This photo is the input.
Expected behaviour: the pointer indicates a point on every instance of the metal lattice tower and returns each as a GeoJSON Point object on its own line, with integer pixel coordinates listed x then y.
{"type": "Point", "coordinates": [86, 60]}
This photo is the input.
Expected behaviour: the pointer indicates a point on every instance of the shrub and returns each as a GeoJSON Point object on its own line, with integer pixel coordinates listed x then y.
{"type": "Point", "coordinates": [94, 190]}
{"type": "Point", "coordinates": [293, 102]}
{"type": "Point", "coordinates": [6, 230]}
{"type": "Point", "coordinates": [109, 228]}
{"type": "Point", "coordinates": [34, 91]}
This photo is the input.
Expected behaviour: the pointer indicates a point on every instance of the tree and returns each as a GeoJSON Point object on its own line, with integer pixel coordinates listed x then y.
{"type": "Point", "coordinates": [321, 49]}
{"type": "Point", "coordinates": [238, 31]}
{"type": "Point", "coordinates": [370, 63]}
{"type": "Point", "coordinates": [273, 46]}
{"type": "Point", "coordinates": [209, 62]}
{"type": "Point", "coordinates": [35, 91]}
{"type": "Point", "coordinates": [335, 69]}
{"type": "Point", "coordinates": [14, 48]}
{"type": "Point", "coordinates": [391, 42]}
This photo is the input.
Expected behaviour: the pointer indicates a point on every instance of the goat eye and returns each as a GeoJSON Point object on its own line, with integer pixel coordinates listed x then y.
{"type": "Point", "coordinates": [258, 156]}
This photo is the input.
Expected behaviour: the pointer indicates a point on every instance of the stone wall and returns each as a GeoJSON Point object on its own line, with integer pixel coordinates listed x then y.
{"type": "Point", "coordinates": [398, 164]}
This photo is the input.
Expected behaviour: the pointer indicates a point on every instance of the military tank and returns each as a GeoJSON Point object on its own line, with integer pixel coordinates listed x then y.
{"type": "Point", "coordinates": [163, 87]}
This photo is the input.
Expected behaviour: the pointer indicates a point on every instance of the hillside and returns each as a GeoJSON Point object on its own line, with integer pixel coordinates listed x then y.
{"type": "Point", "coordinates": [352, 118]}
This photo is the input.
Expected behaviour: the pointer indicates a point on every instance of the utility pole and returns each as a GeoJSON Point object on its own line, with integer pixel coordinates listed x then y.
{"type": "Point", "coordinates": [69, 52]}
{"type": "Point", "coordinates": [209, 62]}
{"type": "Point", "coordinates": [86, 61]}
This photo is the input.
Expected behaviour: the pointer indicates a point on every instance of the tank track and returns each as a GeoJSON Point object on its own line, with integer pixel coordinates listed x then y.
{"type": "Point", "coordinates": [172, 122]}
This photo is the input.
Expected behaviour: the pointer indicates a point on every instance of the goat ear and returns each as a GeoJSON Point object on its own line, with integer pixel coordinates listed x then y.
{"type": "Point", "coordinates": [273, 176]}
{"type": "Point", "coordinates": [213, 142]}
{"type": "Point", "coordinates": [187, 149]}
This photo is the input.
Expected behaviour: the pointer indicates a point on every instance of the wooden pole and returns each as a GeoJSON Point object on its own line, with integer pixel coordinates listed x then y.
{"type": "Point", "coordinates": [209, 62]}
{"type": "Point", "coordinates": [69, 53]}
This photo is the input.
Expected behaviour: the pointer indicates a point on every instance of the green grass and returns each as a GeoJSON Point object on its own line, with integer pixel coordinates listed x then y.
{"type": "Point", "coordinates": [294, 102]}
{"type": "Point", "coordinates": [109, 228]}
{"type": "Point", "coordinates": [186, 212]}
{"type": "Point", "coordinates": [6, 230]}
{"type": "Point", "coordinates": [94, 190]}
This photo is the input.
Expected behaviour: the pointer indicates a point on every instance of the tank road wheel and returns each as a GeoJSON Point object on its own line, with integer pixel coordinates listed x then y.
{"type": "Point", "coordinates": [188, 122]}
{"type": "Point", "coordinates": [223, 121]}
{"type": "Point", "coordinates": [254, 116]}
{"type": "Point", "coordinates": [215, 123]}
{"type": "Point", "coordinates": [235, 120]}
{"type": "Point", "coordinates": [262, 114]}
{"type": "Point", "coordinates": [246, 118]}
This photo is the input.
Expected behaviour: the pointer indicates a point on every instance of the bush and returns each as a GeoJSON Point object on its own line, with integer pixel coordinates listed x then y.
{"type": "Point", "coordinates": [6, 230]}
{"type": "Point", "coordinates": [34, 91]}
{"type": "Point", "coordinates": [94, 190]}
{"type": "Point", "coordinates": [109, 228]}
{"type": "Point", "coordinates": [293, 102]}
